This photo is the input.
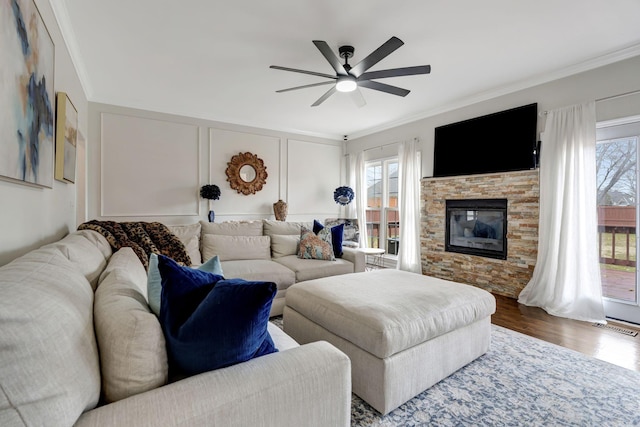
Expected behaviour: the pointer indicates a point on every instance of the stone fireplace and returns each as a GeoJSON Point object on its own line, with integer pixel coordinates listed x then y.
{"type": "Point", "coordinates": [505, 273]}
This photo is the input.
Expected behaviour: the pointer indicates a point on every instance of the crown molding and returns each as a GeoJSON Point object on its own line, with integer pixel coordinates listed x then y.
{"type": "Point", "coordinates": [610, 58]}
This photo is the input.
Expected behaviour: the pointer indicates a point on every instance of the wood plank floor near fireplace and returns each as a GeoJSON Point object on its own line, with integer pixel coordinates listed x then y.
{"type": "Point", "coordinates": [606, 344]}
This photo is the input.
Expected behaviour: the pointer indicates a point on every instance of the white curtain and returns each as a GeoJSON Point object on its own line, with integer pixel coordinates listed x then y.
{"type": "Point", "coordinates": [566, 278]}
{"type": "Point", "coordinates": [350, 209]}
{"type": "Point", "coordinates": [409, 207]}
{"type": "Point", "coordinates": [361, 197]}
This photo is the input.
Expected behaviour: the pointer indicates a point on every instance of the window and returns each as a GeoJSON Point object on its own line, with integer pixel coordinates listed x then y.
{"type": "Point", "coordinates": [383, 219]}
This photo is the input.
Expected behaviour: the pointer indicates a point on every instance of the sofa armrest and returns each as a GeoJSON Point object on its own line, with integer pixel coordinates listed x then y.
{"type": "Point", "coordinates": [308, 385]}
{"type": "Point", "coordinates": [356, 256]}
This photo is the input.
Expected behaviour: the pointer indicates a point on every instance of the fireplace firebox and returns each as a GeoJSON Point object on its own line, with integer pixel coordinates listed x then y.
{"type": "Point", "coordinates": [477, 227]}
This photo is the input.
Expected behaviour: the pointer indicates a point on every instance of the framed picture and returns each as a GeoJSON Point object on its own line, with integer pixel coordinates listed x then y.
{"type": "Point", "coordinates": [26, 95]}
{"type": "Point", "coordinates": [66, 138]}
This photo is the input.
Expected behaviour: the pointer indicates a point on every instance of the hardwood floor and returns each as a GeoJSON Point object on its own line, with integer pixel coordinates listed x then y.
{"type": "Point", "coordinates": [601, 343]}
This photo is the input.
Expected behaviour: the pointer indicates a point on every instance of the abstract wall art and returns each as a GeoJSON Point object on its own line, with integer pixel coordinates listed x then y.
{"type": "Point", "coordinates": [26, 95]}
{"type": "Point", "coordinates": [66, 138]}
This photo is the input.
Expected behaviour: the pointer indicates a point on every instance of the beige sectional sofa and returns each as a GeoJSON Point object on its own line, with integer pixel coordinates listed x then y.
{"type": "Point", "coordinates": [264, 250]}
{"type": "Point", "coordinates": [80, 346]}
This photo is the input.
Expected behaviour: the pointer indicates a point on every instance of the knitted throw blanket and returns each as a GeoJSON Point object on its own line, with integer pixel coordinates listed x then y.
{"type": "Point", "coordinates": [143, 237]}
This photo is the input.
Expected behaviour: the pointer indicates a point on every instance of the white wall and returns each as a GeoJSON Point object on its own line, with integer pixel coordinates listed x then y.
{"type": "Point", "coordinates": [31, 216]}
{"type": "Point", "coordinates": [146, 166]}
{"type": "Point", "coordinates": [614, 79]}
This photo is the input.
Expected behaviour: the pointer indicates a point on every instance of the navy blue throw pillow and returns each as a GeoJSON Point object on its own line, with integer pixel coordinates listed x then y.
{"type": "Point", "coordinates": [337, 233]}
{"type": "Point", "coordinates": [209, 322]}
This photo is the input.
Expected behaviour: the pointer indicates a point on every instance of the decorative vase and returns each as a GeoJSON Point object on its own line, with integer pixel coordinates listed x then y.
{"type": "Point", "coordinates": [212, 216]}
{"type": "Point", "coordinates": [280, 210]}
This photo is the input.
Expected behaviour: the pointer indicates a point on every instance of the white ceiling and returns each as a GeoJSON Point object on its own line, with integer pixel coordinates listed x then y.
{"type": "Point", "coordinates": [210, 58]}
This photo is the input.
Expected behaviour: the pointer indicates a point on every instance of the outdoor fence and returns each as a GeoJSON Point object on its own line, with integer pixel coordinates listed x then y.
{"type": "Point", "coordinates": [617, 235]}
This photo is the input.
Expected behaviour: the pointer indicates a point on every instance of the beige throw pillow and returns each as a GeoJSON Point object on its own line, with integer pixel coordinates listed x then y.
{"type": "Point", "coordinates": [236, 247]}
{"type": "Point", "coordinates": [283, 245]}
{"type": "Point", "coordinates": [133, 356]}
{"type": "Point", "coordinates": [272, 228]}
{"type": "Point", "coordinates": [233, 228]}
{"type": "Point", "coordinates": [189, 235]}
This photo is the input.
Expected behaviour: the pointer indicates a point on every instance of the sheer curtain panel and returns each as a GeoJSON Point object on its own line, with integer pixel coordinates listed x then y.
{"type": "Point", "coordinates": [350, 209]}
{"type": "Point", "coordinates": [361, 198]}
{"type": "Point", "coordinates": [409, 207]}
{"type": "Point", "coordinates": [566, 278]}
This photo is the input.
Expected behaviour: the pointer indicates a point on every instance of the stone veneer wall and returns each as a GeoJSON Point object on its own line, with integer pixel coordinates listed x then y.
{"type": "Point", "coordinates": [503, 277]}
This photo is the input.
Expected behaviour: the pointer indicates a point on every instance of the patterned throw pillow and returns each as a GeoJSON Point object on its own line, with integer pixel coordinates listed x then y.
{"type": "Point", "coordinates": [314, 247]}
{"type": "Point", "coordinates": [337, 233]}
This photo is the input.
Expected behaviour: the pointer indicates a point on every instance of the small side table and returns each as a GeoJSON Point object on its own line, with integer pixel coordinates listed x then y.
{"type": "Point", "coordinates": [374, 257]}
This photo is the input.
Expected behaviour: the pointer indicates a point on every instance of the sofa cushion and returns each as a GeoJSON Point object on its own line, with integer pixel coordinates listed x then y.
{"type": "Point", "coordinates": [233, 228]}
{"type": "Point", "coordinates": [189, 235]}
{"type": "Point", "coordinates": [307, 270]}
{"type": "Point", "coordinates": [260, 269]}
{"type": "Point", "coordinates": [133, 356]}
{"type": "Point", "coordinates": [209, 322]}
{"type": "Point", "coordinates": [88, 251]}
{"type": "Point", "coordinates": [272, 227]}
{"type": "Point", "coordinates": [284, 244]}
{"type": "Point", "coordinates": [314, 247]}
{"type": "Point", "coordinates": [54, 375]}
{"type": "Point", "coordinates": [236, 247]}
{"type": "Point", "coordinates": [154, 280]}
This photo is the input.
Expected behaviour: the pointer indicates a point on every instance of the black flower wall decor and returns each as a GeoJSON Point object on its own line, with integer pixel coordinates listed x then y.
{"type": "Point", "coordinates": [343, 195]}
{"type": "Point", "coordinates": [210, 191]}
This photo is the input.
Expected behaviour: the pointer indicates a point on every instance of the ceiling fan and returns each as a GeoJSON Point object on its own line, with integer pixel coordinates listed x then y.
{"type": "Point", "coordinates": [350, 79]}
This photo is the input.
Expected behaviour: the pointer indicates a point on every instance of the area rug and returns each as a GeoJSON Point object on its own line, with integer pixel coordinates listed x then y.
{"type": "Point", "coordinates": [520, 381]}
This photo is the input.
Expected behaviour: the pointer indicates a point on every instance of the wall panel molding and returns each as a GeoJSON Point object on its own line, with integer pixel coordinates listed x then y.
{"type": "Point", "coordinates": [317, 168]}
{"type": "Point", "coordinates": [148, 167]}
{"type": "Point", "coordinates": [224, 144]}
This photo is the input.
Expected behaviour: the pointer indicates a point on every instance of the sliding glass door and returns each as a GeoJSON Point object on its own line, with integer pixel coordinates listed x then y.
{"type": "Point", "coordinates": [618, 194]}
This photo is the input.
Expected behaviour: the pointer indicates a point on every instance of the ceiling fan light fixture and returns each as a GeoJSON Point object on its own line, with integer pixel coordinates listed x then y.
{"type": "Point", "coordinates": [346, 84]}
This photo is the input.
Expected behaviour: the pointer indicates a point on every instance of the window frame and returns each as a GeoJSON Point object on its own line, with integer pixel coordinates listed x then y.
{"type": "Point", "coordinates": [384, 209]}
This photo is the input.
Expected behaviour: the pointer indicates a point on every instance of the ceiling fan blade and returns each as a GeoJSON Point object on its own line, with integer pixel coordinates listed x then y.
{"type": "Point", "coordinates": [326, 51]}
{"type": "Point", "coordinates": [396, 72]}
{"type": "Point", "coordinates": [357, 97]}
{"type": "Point", "coordinates": [313, 73]}
{"type": "Point", "coordinates": [376, 56]}
{"type": "Point", "coordinates": [394, 90]}
{"type": "Point", "coordinates": [324, 97]}
{"type": "Point", "coordinates": [306, 86]}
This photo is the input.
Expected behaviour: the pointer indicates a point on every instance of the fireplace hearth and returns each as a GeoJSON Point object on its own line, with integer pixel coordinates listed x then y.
{"type": "Point", "coordinates": [477, 227]}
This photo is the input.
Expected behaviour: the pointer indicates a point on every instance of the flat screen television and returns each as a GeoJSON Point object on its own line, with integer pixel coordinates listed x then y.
{"type": "Point", "coordinates": [498, 142]}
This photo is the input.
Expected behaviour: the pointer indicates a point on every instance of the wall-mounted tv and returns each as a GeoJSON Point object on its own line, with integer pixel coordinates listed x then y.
{"type": "Point", "coordinates": [498, 142]}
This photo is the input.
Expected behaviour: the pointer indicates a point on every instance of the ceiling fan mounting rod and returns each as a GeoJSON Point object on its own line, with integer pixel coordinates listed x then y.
{"type": "Point", "coordinates": [346, 52]}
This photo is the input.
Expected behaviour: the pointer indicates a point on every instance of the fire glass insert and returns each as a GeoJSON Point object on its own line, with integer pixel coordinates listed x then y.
{"type": "Point", "coordinates": [477, 227]}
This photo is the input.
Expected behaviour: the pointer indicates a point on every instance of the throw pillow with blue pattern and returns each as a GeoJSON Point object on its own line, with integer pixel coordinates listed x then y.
{"type": "Point", "coordinates": [315, 247]}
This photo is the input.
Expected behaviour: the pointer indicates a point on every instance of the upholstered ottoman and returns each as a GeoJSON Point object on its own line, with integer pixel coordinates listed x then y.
{"type": "Point", "coordinates": [402, 331]}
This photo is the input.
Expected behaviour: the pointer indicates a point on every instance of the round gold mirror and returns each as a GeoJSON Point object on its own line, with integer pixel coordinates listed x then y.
{"type": "Point", "coordinates": [246, 173]}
